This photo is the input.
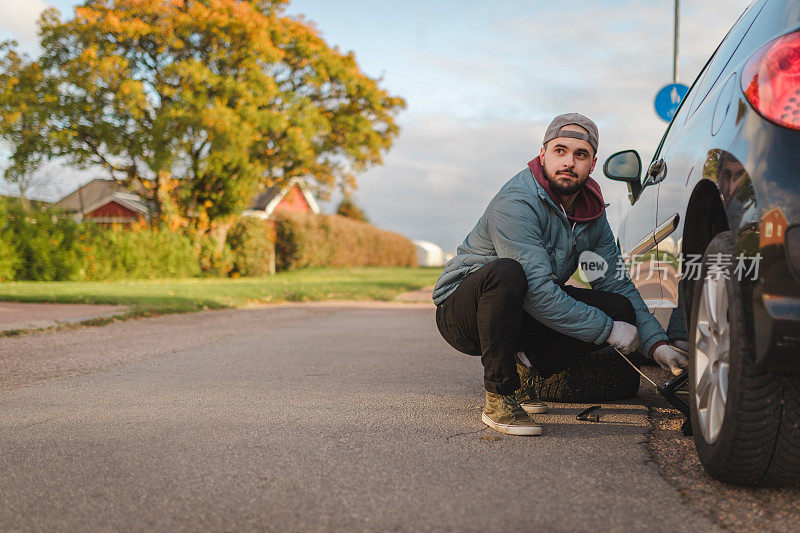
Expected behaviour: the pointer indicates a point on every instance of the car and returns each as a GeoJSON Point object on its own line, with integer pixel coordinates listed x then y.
{"type": "Point", "coordinates": [712, 241]}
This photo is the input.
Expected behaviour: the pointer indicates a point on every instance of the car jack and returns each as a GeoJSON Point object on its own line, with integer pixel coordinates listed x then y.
{"type": "Point", "coordinates": [668, 392]}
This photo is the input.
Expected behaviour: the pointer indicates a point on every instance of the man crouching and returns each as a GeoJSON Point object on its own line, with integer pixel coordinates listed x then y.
{"type": "Point", "coordinates": [503, 296]}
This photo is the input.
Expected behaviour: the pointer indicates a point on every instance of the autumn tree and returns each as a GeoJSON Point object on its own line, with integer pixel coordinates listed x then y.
{"type": "Point", "coordinates": [200, 103]}
{"type": "Point", "coordinates": [350, 210]}
{"type": "Point", "coordinates": [26, 101]}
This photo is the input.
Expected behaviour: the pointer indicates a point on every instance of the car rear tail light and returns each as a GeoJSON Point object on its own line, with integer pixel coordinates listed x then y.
{"type": "Point", "coordinates": [771, 80]}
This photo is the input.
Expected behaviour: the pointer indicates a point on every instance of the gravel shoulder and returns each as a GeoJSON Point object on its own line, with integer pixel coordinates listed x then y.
{"type": "Point", "coordinates": [730, 507]}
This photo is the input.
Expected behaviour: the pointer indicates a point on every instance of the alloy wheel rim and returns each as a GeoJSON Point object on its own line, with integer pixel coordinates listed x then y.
{"type": "Point", "coordinates": [712, 357]}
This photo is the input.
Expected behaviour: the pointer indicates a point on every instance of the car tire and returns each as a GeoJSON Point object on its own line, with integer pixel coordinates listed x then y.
{"type": "Point", "coordinates": [600, 376]}
{"type": "Point", "coordinates": [753, 436]}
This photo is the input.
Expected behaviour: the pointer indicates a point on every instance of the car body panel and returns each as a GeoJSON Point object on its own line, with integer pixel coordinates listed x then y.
{"type": "Point", "coordinates": [718, 142]}
{"type": "Point", "coordinates": [638, 246]}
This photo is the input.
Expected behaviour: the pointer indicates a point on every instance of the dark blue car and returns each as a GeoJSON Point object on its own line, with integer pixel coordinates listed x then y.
{"type": "Point", "coordinates": [712, 240]}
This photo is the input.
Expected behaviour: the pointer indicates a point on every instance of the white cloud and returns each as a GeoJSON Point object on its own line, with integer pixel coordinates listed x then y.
{"type": "Point", "coordinates": [495, 99]}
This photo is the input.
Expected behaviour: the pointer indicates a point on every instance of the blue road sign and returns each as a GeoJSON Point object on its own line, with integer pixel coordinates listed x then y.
{"type": "Point", "coordinates": [668, 99]}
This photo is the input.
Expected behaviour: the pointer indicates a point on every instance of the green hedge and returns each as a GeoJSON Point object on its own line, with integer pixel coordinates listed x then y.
{"type": "Point", "coordinates": [307, 240]}
{"type": "Point", "coordinates": [42, 245]}
{"type": "Point", "coordinates": [252, 243]}
{"type": "Point", "coordinates": [215, 261]}
{"type": "Point", "coordinates": [9, 258]}
{"type": "Point", "coordinates": [136, 254]}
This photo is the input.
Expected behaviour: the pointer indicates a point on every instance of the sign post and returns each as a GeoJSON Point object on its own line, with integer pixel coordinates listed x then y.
{"type": "Point", "coordinates": [670, 96]}
{"type": "Point", "coordinates": [675, 42]}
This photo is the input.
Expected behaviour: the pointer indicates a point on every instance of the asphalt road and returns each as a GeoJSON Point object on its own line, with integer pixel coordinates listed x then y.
{"type": "Point", "coordinates": [303, 417]}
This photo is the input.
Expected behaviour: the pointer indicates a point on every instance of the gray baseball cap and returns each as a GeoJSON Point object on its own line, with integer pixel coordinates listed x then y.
{"type": "Point", "coordinates": [554, 129]}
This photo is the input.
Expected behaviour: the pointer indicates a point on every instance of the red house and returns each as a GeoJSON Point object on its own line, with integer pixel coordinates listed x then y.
{"type": "Point", "coordinates": [107, 202]}
{"type": "Point", "coordinates": [295, 196]}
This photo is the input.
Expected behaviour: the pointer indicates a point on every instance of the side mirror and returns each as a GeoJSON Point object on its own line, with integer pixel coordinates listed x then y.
{"type": "Point", "coordinates": [624, 166]}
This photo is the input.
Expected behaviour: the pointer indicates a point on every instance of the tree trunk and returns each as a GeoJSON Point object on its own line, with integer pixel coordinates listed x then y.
{"type": "Point", "coordinates": [219, 232]}
{"type": "Point", "coordinates": [23, 201]}
{"type": "Point", "coordinates": [161, 197]}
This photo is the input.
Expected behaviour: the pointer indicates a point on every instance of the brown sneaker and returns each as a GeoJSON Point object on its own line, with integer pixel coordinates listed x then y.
{"type": "Point", "coordinates": [503, 413]}
{"type": "Point", "coordinates": [526, 394]}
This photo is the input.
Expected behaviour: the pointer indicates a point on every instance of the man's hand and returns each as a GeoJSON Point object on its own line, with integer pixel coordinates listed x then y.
{"type": "Point", "coordinates": [623, 337]}
{"type": "Point", "coordinates": [670, 359]}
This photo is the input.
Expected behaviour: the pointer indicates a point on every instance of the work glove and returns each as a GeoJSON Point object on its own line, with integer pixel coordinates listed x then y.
{"type": "Point", "coordinates": [623, 337]}
{"type": "Point", "coordinates": [670, 359]}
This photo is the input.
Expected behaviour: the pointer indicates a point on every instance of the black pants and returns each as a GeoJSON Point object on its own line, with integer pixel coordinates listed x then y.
{"type": "Point", "coordinates": [484, 316]}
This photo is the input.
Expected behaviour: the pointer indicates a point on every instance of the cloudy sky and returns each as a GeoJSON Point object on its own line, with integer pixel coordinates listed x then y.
{"type": "Point", "coordinates": [482, 80]}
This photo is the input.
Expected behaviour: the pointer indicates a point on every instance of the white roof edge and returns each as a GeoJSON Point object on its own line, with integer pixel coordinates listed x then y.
{"type": "Point", "coordinates": [255, 213]}
{"type": "Point", "coordinates": [112, 198]}
{"type": "Point", "coordinates": [301, 184]}
{"type": "Point", "coordinates": [312, 202]}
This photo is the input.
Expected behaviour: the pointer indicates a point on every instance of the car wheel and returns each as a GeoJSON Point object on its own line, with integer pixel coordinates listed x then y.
{"type": "Point", "coordinates": [600, 376]}
{"type": "Point", "coordinates": [746, 423]}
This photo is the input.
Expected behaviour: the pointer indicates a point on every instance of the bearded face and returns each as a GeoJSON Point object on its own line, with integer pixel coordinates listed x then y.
{"type": "Point", "coordinates": [567, 162]}
{"type": "Point", "coordinates": [565, 181]}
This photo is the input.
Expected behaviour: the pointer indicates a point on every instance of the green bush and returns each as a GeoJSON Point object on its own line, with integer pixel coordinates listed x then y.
{"type": "Point", "coordinates": [8, 251]}
{"type": "Point", "coordinates": [43, 245]}
{"type": "Point", "coordinates": [307, 240]}
{"type": "Point", "coordinates": [252, 243]}
{"type": "Point", "coordinates": [123, 253]}
{"type": "Point", "coordinates": [8, 259]}
{"type": "Point", "coordinates": [46, 245]}
{"type": "Point", "coordinates": [40, 244]}
{"type": "Point", "coordinates": [214, 261]}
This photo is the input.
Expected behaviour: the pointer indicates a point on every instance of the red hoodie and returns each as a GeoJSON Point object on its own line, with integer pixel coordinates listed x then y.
{"type": "Point", "coordinates": [589, 204]}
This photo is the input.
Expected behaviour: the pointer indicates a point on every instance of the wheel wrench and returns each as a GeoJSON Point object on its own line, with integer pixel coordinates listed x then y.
{"type": "Point", "coordinates": [668, 390]}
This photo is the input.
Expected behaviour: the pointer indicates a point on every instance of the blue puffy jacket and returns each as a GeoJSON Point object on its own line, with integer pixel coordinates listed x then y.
{"type": "Point", "coordinates": [522, 222]}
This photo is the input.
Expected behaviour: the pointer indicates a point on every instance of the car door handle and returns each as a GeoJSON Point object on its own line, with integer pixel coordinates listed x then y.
{"type": "Point", "coordinates": [665, 230]}
{"type": "Point", "coordinates": [657, 171]}
{"type": "Point", "coordinates": [642, 248]}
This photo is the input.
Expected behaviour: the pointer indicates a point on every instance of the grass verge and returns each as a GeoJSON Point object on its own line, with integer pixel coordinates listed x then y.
{"type": "Point", "coordinates": [149, 297]}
